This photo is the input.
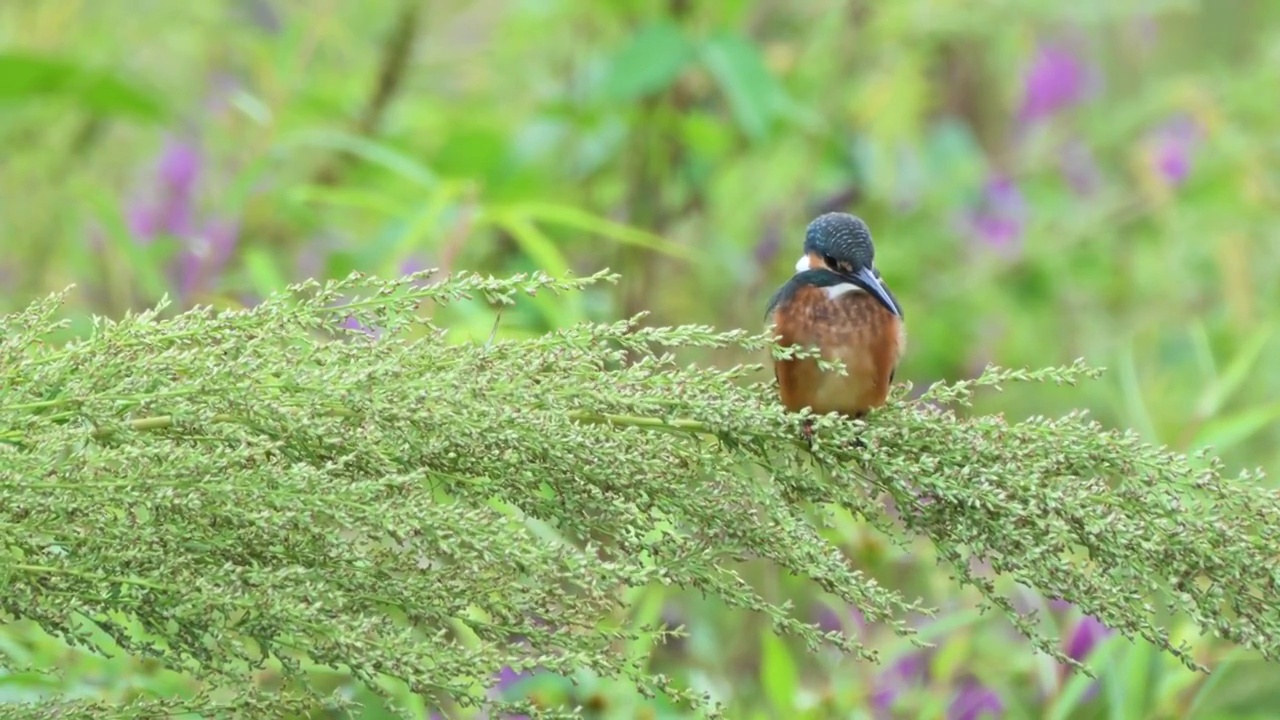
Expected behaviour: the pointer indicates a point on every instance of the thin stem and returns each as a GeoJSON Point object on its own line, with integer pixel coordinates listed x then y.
{"type": "Point", "coordinates": [674, 425]}
{"type": "Point", "coordinates": [240, 603]}
{"type": "Point", "coordinates": [46, 570]}
{"type": "Point", "coordinates": [164, 422]}
{"type": "Point", "coordinates": [59, 402]}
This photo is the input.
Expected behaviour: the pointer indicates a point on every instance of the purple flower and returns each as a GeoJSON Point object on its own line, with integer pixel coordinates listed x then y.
{"type": "Point", "coordinates": [770, 242]}
{"type": "Point", "coordinates": [206, 246]}
{"type": "Point", "coordinates": [311, 262]}
{"type": "Point", "coordinates": [1055, 81]}
{"type": "Point", "coordinates": [413, 264]}
{"type": "Point", "coordinates": [206, 255]}
{"type": "Point", "coordinates": [1146, 29]}
{"type": "Point", "coordinates": [831, 621]}
{"type": "Point", "coordinates": [999, 218]}
{"type": "Point", "coordinates": [350, 322]}
{"type": "Point", "coordinates": [1060, 605]}
{"type": "Point", "coordinates": [262, 14]}
{"type": "Point", "coordinates": [223, 87]}
{"type": "Point", "coordinates": [975, 700]}
{"type": "Point", "coordinates": [1172, 146]}
{"type": "Point", "coordinates": [673, 618]}
{"type": "Point", "coordinates": [1085, 637]}
{"type": "Point", "coordinates": [171, 213]}
{"type": "Point", "coordinates": [508, 677]}
{"type": "Point", "coordinates": [903, 675]}
{"type": "Point", "coordinates": [1079, 166]}
{"type": "Point", "coordinates": [827, 619]}
{"type": "Point", "coordinates": [179, 166]}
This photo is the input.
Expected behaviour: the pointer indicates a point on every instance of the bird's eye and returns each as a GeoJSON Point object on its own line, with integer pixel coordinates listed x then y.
{"type": "Point", "coordinates": [839, 266]}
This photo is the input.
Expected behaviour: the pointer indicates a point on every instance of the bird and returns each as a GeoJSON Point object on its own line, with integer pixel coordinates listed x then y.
{"type": "Point", "coordinates": [838, 302]}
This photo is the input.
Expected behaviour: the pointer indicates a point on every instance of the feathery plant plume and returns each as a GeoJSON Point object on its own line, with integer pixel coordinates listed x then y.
{"type": "Point", "coordinates": [227, 490]}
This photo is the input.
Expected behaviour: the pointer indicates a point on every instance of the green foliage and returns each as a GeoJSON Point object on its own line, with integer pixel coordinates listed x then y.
{"type": "Point", "coordinates": [237, 491]}
{"type": "Point", "coordinates": [686, 145]}
{"type": "Point", "coordinates": [27, 79]}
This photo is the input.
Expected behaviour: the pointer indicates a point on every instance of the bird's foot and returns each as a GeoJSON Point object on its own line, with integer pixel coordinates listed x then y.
{"type": "Point", "coordinates": [806, 431]}
{"type": "Point", "coordinates": [857, 440]}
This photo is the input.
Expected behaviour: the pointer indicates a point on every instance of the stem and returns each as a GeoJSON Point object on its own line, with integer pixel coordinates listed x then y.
{"type": "Point", "coordinates": [159, 422]}
{"type": "Point", "coordinates": [163, 422]}
{"type": "Point", "coordinates": [676, 425]}
{"type": "Point", "coordinates": [60, 402]}
{"type": "Point", "coordinates": [46, 570]}
{"type": "Point", "coordinates": [397, 51]}
{"type": "Point", "coordinates": [247, 604]}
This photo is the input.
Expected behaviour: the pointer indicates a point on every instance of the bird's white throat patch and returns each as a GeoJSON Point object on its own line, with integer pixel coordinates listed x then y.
{"type": "Point", "coordinates": [835, 291]}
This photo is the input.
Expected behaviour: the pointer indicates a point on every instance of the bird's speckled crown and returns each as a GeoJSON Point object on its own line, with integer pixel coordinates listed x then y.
{"type": "Point", "coordinates": [843, 235]}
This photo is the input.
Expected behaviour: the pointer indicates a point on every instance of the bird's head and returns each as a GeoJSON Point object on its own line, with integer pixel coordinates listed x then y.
{"type": "Point", "coordinates": [841, 243]}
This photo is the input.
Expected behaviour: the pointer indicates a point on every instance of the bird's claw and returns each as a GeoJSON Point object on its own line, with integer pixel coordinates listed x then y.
{"type": "Point", "coordinates": [807, 432]}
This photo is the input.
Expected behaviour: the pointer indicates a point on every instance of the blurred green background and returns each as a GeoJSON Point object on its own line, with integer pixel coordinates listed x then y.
{"type": "Point", "coordinates": [1044, 180]}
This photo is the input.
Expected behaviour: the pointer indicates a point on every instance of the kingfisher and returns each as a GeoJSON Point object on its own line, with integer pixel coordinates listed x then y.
{"type": "Point", "coordinates": [836, 301]}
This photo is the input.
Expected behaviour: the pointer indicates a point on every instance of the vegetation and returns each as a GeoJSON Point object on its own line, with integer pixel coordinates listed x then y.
{"type": "Point", "coordinates": [521, 509]}
{"type": "Point", "coordinates": [227, 491]}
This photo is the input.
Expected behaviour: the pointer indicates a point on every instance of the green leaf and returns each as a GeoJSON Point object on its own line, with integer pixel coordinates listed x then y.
{"type": "Point", "coordinates": [1201, 348]}
{"type": "Point", "coordinates": [1135, 408]}
{"type": "Point", "coordinates": [339, 264]}
{"type": "Point", "coordinates": [944, 625]}
{"type": "Point", "coordinates": [396, 240]}
{"type": "Point", "coordinates": [778, 673]}
{"type": "Point", "coordinates": [1131, 681]}
{"type": "Point", "coordinates": [145, 263]}
{"type": "Point", "coordinates": [1235, 374]}
{"type": "Point", "coordinates": [951, 151]}
{"type": "Point", "coordinates": [891, 103]}
{"type": "Point", "coordinates": [1225, 671]}
{"type": "Point", "coordinates": [542, 251]}
{"type": "Point", "coordinates": [384, 156]}
{"type": "Point", "coordinates": [649, 63]}
{"type": "Point", "coordinates": [1221, 433]}
{"type": "Point", "coordinates": [951, 657]}
{"type": "Point", "coordinates": [578, 219]}
{"type": "Point", "coordinates": [345, 197]}
{"type": "Point", "coordinates": [1070, 698]}
{"type": "Point", "coordinates": [534, 243]}
{"type": "Point", "coordinates": [473, 148]}
{"type": "Point", "coordinates": [26, 687]}
{"type": "Point", "coordinates": [647, 603]}
{"type": "Point", "coordinates": [263, 271]}
{"type": "Point", "coordinates": [29, 77]}
{"type": "Point", "coordinates": [754, 95]}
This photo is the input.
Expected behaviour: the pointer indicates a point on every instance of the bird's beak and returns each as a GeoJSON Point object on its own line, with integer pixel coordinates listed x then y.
{"type": "Point", "coordinates": [867, 280]}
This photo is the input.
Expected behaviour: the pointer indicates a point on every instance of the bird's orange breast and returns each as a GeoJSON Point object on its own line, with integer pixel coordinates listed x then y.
{"type": "Point", "coordinates": [851, 327]}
